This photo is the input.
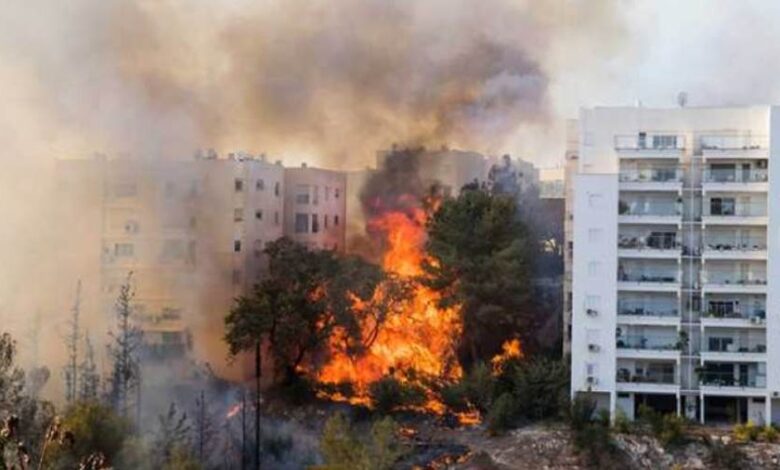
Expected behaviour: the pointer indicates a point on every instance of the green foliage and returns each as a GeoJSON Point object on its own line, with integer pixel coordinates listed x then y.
{"type": "Point", "coordinates": [479, 257]}
{"type": "Point", "coordinates": [746, 432]}
{"type": "Point", "coordinates": [669, 428]}
{"type": "Point", "coordinates": [621, 424]}
{"type": "Point", "coordinates": [172, 437]}
{"type": "Point", "coordinates": [11, 377]}
{"type": "Point", "coordinates": [592, 437]}
{"type": "Point", "coordinates": [343, 450]}
{"type": "Point", "coordinates": [389, 394]}
{"type": "Point", "coordinates": [769, 434]}
{"type": "Point", "coordinates": [503, 414]}
{"type": "Point", "coordinates": [95, 428]}
{"type": "Point", "coordinates": [306, 296]}
{"type": "Point", "coordinates": [476, 389]}
{"type": "Point", "coordinates": [540, 387]}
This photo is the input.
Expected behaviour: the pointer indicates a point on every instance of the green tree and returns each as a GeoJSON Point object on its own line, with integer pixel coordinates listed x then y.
{"type": "Point", "coordinates": [172, 437]}
{"type": "Point", "coordinates": [479, 258]}
{"type": "Point", "coordinates": [124, 349]}
{"type": "Point", "coordinates": [94, 429]}
{"type": "Point", "coordinates": [343, 450]}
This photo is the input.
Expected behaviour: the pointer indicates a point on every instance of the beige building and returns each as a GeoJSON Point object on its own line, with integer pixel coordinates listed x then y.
{"type": "Point", "coordinates": [191, 232]}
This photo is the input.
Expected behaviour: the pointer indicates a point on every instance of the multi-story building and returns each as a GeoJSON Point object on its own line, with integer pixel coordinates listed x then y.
{"type": "Point", "coordinates": [570, 169]}
{"type": "Point", "coordinates": [674, 258]}
{"type": "Point", "coordinates": [315, 207]}
{"type": "Point", "coordinates": [192, 232]}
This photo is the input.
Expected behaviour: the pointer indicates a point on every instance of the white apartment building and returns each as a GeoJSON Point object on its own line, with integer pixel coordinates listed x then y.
{"type": "Point", "coordinates": [675, 254]}
{"type": "Point", "coordinates": [315, 207]}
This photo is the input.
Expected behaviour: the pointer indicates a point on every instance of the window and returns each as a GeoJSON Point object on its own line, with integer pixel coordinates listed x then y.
{"type": "Point", "coordinates": [315, 224]}
{"type": "Point", "coordinates": [327, 193]}
{"type": "Point", "coordinates": [276, 217]}
{"type": "Point", "coordinates": [664, 141]}
{"type": "Point", "coordinates": [591, 369]}
{"type": "Point", "coordinates": [276, 189]}
{"type": "Point", "coordinates": [237, 245]}
{"type": "Point", "coordinates": [259, 214]}
{"type": "Point", "coordinates": [131, 226]}
{"type": "Point", "coordinates": [239, 185]}
{"type": "Point", "coordinates": [594, 200]}
{"type": "Point", "coordinates": [302, 194]}
{"type": "Point", "coordinates": [336, 193]}
{"type": "Point", "coordinates": [642, 141]}
{"type": "Point", "coordinates": [594, 235]}
{"type": "Point", "coordinates": [325, 221]}
{"type": "Point", "coordinates": [124, 249]}
{"type": "Point", "coordinates": [316, 195]}
{"type": "Point", "coordinates": [238, 214]}
{"type": "Point", "coordinates": [301, 223]}
{"type": "Point", "coordinates": [593, 268]}
{"type": "Point", "coordinates": [592, 336]}
{"type": "Point", "coordinates": [722, 206]}
{"type": "Point", "coordinates": [717, 344]}
{"type": "Point", "coordinates": [260, 185]}
{"type": "Point", "coordinates": [335, 220]}
{"type": "Point", "coordinates": [592, 302]}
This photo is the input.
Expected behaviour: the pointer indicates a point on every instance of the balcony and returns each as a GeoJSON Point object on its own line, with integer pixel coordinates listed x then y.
{"type": "Point", "coordinates": [637, 313]}
{"type": "Point", "coordinates": [735, 180]}
{"type": "Point", "coordinates": [754, 318]}
{"type": "Point", "coordinates": [649, 212]}
{"type": "Point", "coordinates": [650, 179]}
{"type": "Point", "coordinates": [724, 211]}
{"type": "Point", "coordinates": [648, 346]}
{"type": "Point", "coordinates": [647, 382]}
{"type": "Point", "coordinates": [654, 147]}
{"type": "Point", "coordinates": [719, 146]}
{"type": "Point", "coordinates": [658, 246]}
{"type": "Point", "coordinates": [715, 282]}
{"type": "Point", "coordinates": [715, 382]}
{"type": "Point", "coordinates": [735, 248]}
{"type": "Point", "coordinates": [728, 349]}
{"type": "Point", "coordinates": [645, 280]}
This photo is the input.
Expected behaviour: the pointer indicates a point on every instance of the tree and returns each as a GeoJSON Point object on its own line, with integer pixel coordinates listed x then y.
{"type": "Point", "coordinates": [90, 378]}
{"type": "Point", "coordinates": [205, 430]}
{"type": "Point", "coordinates": [479, 258]}
{"type": "Point", "coordinates": [11, 377]}
{"type": "Point", "coordinates": [126, 341]}
{"type": "Point", "coordinates": [72, 343]}
{"type": "Point", "coordinates": [95, 429]}
{"type": "Point", "coordinates": [343, 450]}
{"type": "Point", "coordinates": [172, 438]}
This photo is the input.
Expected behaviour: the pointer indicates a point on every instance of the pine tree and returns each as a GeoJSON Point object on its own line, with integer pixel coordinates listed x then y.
{"type": "Point", "coordinates": [90, 378]}
{"type": "Point", "coordinates": [126, 341]}
{"type": "Point", "coordinates": [205, 430]}
{"type": "Point", "coordinates": [72, 344]}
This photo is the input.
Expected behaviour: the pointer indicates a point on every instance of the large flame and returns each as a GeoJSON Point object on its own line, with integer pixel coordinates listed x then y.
{"type": "Point", "coordinates": [419, 337]}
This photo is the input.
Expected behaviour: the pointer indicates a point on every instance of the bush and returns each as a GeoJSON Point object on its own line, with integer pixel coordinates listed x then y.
{"type": "Point", "coordinates": [746, 432]}
{"type": "Point", "coordinates": [592, 437]}
{"type": "Point", "coordinates": [390, 394]}
{"type": "Point", "coordinates": [769, 434]}
{"type": "Point", "coordinates": [540, 387]}
{"type": "Point", "coordinates": [502, 415]}
{"type": "Point", "coordinates": [673, 429]}
{"type": "Point", "coordinates": [622, 424]}
{"type": "Point", "coordinates": [95, 429]}
{"type": "Point", "coordinates": [476, 389]}
{"type": "Point", "coordinates": [343, 450]}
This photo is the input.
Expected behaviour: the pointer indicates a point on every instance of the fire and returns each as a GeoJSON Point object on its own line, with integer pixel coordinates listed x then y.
{"type": "Point", "coordinates": [233, 411]}
{"type": "Point", "coordinates": [419, 336]}
{"type": "Point", "coordinates": [509, 350]}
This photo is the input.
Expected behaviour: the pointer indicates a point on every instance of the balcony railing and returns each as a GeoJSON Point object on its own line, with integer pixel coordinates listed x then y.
{"type": "Point", "coordinates": [639, 309]}
{"type": "Point", "coordinates": [655, 343]}
{"type": "Point", "coordinates": [654, 175]}
{"type": "Point", "coordinates": [731, 142]}
{"type": "Point", "coordinates": [624, 276]}
{"type": "Point", "coordinates": [650, 209]}
{"type": "Point", "coordinates": [727, 379]}
{"type": "Point", "coordinates": [650, 242]}
{"type": "Point", "coordinates": [735, 176]}
{"type": "Point", "coordinates": [737, 244]}
{"type": "Point", "coordinates": [735, 347]}
{"type": "Point", "coordinates": [649, 142]}
{"type": "Point", "coordinates": [626, 376]}
{"type": "Point", "coordinates": [736, 210]}
{"type": "Point", "coordinates": [715, 278]}
{"type": "Point", "coordinates": [757, 314]}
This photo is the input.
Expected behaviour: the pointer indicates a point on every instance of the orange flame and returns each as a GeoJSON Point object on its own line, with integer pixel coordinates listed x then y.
{"type": "Point", "coordinates": [420, 336]}
{"type": "Point", "coordinates": [509, 350]}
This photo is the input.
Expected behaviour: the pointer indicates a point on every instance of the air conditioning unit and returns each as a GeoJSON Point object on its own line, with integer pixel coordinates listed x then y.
{"type": "Point", "coordinates": [775, 394]}
{"type": "Point", "coordinates": [591, 312]}
{"type": "Point", "coordinates": [592, 380]}
{"type": "Point", "coordinates": [593, 348]}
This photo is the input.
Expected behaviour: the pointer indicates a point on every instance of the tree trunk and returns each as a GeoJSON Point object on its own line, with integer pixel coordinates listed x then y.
{"type": "Point", "coordinates": [258, 371]}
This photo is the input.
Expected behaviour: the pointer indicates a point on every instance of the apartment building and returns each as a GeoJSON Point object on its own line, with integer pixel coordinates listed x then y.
{"type": "Point", "coordinates": [315, 207]}
{"type": "Point", "coordinates": [192, 232]}
{"type": "Point", "coordinates": [675, 249]}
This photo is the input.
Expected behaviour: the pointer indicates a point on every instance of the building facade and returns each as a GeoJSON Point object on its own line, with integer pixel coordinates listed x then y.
{"type": "Point", "coordinates": [675, 248]}
{"type": "Point", "coordinates": [191, 232]}
{"type": "Point", "coordinates": [315, 207]}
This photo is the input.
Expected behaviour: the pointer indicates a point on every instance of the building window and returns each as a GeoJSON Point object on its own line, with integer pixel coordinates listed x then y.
{"type": "Point", "coordinates": [592, 302]}
{"type": "Point", "coordinates": [302, 194]}
{"type": "Point", "coordinates": [336, 220]}
{"type": "Point", "coordinates": [276, 189]}
{"type": "Point", "coordinates": [124, 249]}
{"type": "Point", "coordinates": [259, 215]}
{"type": "Point", "coordinates": [336, 193]}
{"type": "Point", "coordinates": [593, 268]}
{"type": "Point", "coordinates": [315, 224]}
{"type": "Point", "coordinates": [237, 246]}
{"type": "Point", "coordinates": [316, 195]}
{"type": "Point", "coordinates": [301, 223]}
{"type": "Point", "coordinates": [276, 217]}
{"type": "Point", "coordinates": [238, 215]}
{"type": "Point", "coordinates": [260, 185]}
{"type": "Point", "coordinates": [131, 226]}
{"type": "Point", "coordinates": [722, 206]}
{"type": "Point", "coordinates": [594, 200]}
{"type": "Point", "coordinates": [325, 221]}
{"type": "Point", "coordinates": [239, 185]}
{"type": "Point", "coordinates": [664, 141]}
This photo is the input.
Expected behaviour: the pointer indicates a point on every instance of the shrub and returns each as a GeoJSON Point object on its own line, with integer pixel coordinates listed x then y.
{"type": "Point", "coordinates": [389, 394]}
{"type": "Point", "coordinates": [502, 415]}
{"type": "Point", "coordinates": [581, 412]}
{"type": "Point", "coordinates": [726, 456]}
{"type": "Point", "coordinates": [673, 429]}
{"type": "Point", "coordinates": [746, 432]}
{"type": "Point", "coordinates": [343, 450]}
{"type": "Point", "coordinates": [540, 387]}
{"type": "Point", "coordinates": [622, 423]}
{"type": "Point", "coordinates": [476, 389]}
{"type": "Point", "coordinates": [769, 434]}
